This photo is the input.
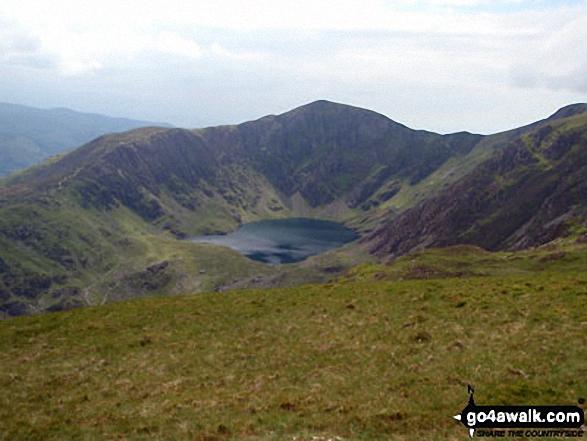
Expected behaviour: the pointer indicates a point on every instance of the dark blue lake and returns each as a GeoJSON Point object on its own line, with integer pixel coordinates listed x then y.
{"type": "Point", "coordinates": [283, 240]}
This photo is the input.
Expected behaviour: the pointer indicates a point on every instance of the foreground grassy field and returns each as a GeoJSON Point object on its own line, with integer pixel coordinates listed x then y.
{"type": "Point", "coordinates": [385, 353]}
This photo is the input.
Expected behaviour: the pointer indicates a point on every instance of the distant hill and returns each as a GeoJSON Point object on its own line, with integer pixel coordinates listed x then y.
{"type": "Point", "coordinates": [29, 135]}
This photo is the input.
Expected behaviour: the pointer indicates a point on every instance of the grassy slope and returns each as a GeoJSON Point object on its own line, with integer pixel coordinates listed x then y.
{"type": "Point", "coordinates": [385, 353]}
{"type": "Point", "coordinates": [117, 247]}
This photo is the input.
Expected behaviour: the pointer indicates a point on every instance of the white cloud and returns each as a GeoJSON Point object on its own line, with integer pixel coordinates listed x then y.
{"type": "Point", "coordinates": [474, 2]}
{"type": "Point", "coordinates": [20, 48]}
{"type": "Point", "coordinates": [556, 59]}
{"type": "Point", "coordinates": [173, 43]}
{"type": "Point", "coordinates": [267, 51]}
{"type": "Point", "coordinates": [220, 51]}
{"type": "Point", "coordinates": [237, 15]}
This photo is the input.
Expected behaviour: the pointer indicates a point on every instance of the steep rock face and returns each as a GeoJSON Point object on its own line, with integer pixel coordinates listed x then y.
{"type": "Point", "coordinates": [523, 196]}
{"type": "Point", "coordinates": [135, 173]}
{"type": "Point", "coordinates": [325, 150]}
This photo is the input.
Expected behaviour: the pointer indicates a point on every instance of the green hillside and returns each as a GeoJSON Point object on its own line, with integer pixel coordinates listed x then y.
{"type": "Point", "coordinates": [108, 220]}
{"type": "Point", "coordinates": [385, 353]}
{"type": "Point", "coordinates": [103, 222]}
{"type": "Point", "coordinates": [375, 341]}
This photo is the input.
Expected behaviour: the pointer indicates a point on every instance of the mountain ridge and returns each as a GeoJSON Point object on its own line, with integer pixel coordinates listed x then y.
{"type": "Point", "coordinates": [528, 194]}
{"type": "Point", "coordinates": [28, 135]}
{"type": "Point", "coordinates": [83, 228]}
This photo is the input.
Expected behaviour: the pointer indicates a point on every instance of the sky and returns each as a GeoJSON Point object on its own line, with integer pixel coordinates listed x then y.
{"type": "Point", "coordinates": [482, 66]}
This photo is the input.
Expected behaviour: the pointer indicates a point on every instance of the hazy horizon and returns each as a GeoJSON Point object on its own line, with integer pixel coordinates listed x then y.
{"type": "Point", "coordinates": [439, 65]}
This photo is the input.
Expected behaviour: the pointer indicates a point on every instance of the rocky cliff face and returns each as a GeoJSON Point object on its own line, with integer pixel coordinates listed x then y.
{"type": "Point", "coordinates": [323, 151]}
{"type": "Point", "coordinates": [525, 195]}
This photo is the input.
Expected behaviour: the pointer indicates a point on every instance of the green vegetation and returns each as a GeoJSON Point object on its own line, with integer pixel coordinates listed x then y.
{"type": "Point", "coordinates": [57, 255]}
{"type": "Point", "coordinates": [102, 222]}
{"type": "Point", "coordinates": [376, 352]}
{"type": "Point", "coordinates": [384, 353]}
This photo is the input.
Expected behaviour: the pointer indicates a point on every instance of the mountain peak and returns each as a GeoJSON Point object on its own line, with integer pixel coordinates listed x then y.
{"type": "Point", "coordinates": [343, 113]}
{"type": "Point", "coordinates": [568, 111]}
{"type": "Point", "coordinates": [325, 105]}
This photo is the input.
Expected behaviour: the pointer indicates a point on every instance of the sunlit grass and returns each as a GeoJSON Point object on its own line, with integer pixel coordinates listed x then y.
{"type": "Point", "coordinates": [364, 359]}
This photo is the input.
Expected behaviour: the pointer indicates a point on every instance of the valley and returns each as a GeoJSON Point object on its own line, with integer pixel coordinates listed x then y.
{"type": "Point", "coordinates": [468, 270]}
{"type": "Point", "coordinates": [102, 223]}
